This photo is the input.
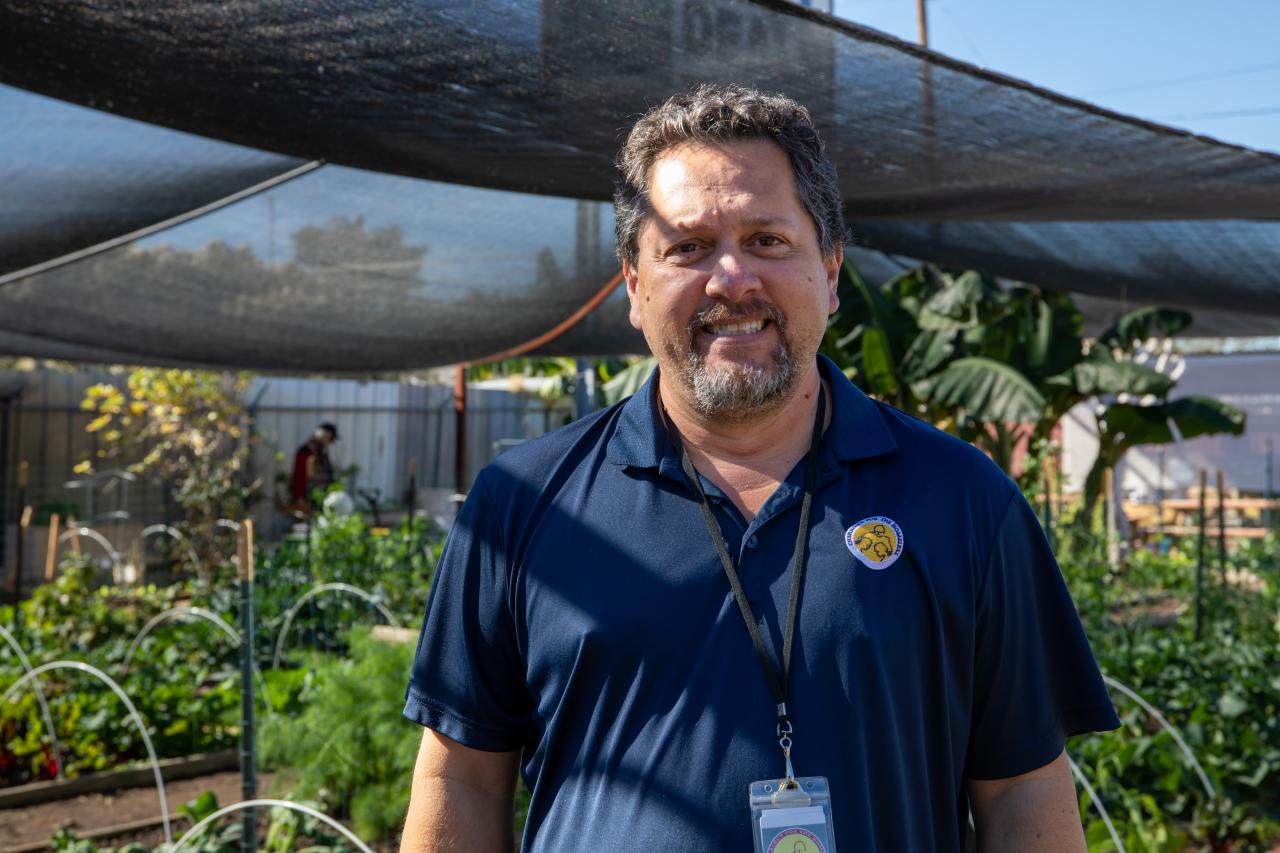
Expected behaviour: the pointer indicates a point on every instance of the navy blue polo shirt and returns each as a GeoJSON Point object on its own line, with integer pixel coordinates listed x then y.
{"type": "Point", "coordinates": [580, 614]}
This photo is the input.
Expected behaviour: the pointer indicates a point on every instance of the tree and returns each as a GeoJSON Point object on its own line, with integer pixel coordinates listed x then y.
{"type": "Point", "coordinates": [187, 427]}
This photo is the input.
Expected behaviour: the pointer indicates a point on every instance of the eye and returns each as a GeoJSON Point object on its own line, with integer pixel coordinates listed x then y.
{"type": "Point", "coordinates": [685, 250]}
{"type": "Point", "coordinates": [769, 241]}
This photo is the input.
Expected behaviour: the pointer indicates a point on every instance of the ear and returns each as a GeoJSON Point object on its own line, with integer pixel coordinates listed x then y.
{"type": "Point", "coordinates": [632, 276]}
{"type": "Point", "coordinates": [832, 265]}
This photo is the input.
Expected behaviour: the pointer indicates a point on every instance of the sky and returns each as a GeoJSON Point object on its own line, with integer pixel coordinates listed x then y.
{"type": "Point", "coordinates": [1209, 67]}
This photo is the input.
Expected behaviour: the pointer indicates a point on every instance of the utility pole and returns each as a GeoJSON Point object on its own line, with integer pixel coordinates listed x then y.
{"type": "Point", "coordinates": [922, 23]}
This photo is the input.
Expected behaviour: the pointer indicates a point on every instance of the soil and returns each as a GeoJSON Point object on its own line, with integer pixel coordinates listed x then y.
{"type": "Point", "coordinates": [20, 827]}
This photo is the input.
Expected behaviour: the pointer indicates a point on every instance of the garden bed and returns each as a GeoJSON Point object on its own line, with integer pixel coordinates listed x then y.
{"type": "Point", "coordinates": [111, 817]}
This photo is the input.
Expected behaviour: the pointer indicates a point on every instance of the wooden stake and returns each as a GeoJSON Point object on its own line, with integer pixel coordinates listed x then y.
{"type": "Point", "coordinates": [244, 550]}
{"type": "Point", "coordinates": [51, 550]}
{"type": "Point", "coordinates": [460, 428]}
{"type": "Point", "coordinates": [1113, 547]}
{"type": "Point", "coordinates": [73, 527]}
{"type": "Point", "coordinates": [248, 726]}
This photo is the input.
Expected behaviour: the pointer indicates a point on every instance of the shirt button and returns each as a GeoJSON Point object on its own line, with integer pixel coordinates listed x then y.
{"type": "Point", "coordinates": [751, 542]}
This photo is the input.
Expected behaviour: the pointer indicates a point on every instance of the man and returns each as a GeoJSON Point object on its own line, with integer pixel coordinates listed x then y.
{"type": "Point", "coordinates": [312, 468]}
{"type": "Point", "coordinates": [584, 629]}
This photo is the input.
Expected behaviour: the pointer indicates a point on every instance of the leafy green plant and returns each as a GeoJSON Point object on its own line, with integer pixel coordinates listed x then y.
{"type": "Point", "coordinates": [1221, 691]}
{"type": "Point", "coordinates": [349, 746]}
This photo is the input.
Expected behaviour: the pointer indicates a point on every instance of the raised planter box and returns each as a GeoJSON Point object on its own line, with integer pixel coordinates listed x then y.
{"type": "Point", "coordinates": [135, 777]}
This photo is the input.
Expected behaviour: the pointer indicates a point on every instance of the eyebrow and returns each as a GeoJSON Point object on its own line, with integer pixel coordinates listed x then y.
{"type": "Point", "coordinates": [753, 222]}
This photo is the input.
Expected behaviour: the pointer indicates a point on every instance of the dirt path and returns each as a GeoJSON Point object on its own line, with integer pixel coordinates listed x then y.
{"type": "Point", "coordinates": [34, 824]}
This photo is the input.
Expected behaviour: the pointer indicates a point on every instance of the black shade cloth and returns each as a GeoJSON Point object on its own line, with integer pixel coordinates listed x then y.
{"type": "Point", "coordinates": [1202, 265]}
{"type": "Point", "coordinates": [74, 177]}
{"type": "Point", "coordinates": [340, 270]}
{"type": "Point", "coordinates": [347, 270]}
{"type": "Point", "coordinates": [530, 96]}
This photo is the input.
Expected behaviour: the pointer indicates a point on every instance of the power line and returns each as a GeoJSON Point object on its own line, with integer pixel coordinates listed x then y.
{"type": "Point", "coordinates": [964, 35]}
{"type": "Point", "coordinates": [1194, 78]}
{"type": "Point", "coordinates": [1260, 110]}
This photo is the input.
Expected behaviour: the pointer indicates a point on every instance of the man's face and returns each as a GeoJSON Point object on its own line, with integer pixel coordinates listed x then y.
{"type": "Point", "coordinates": [730, 287]}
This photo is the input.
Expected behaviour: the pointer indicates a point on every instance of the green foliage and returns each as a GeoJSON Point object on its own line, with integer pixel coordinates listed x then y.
{"type": "Point", "coordinates": [1122, 426]}
{"type": "Point", "coordinates": [628, 380]}
{"type": "Point", "coordinates": [287, 830]}
{"type": "Point", "coordinates": [1144, 323]}
{"type": "Point", "coordinates": [566, 369]}
{"type": "Point", "coordinates": [1222, 692]}
{"type": "Point", "coordinates": [180, 681]}
{"type": "Point", "coordinates": [66, 841]}
{"type": "Point", "coordinates": [349, 746]}
{"type": "Point", "coordinates": [187, 428]}
{"type": "Point", "coordinates": [999, 365]}
{"type": "Point", "coordinates": [395, 566]}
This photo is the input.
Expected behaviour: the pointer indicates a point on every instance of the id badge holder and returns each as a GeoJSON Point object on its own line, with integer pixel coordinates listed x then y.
{"type": "Point", "coordinates": [792, 815]}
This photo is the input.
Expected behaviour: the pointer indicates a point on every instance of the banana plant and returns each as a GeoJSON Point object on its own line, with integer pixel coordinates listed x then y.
{"type": "Point", "coordinates": [997, 364]}
{"type": "Point", "coordinates": [1122, 426]}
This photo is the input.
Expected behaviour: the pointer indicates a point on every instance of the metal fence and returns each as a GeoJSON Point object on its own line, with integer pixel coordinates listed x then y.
{"type": "Point", "coordinates": [385, 428]}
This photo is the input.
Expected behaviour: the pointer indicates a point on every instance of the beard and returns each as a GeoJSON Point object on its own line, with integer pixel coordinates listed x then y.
{"type": "Point", "coordinates": [734, 390]}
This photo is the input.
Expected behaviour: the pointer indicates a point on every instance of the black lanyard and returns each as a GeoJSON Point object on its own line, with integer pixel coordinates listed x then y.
{"type": "Point", "coordinates": [778, 682]}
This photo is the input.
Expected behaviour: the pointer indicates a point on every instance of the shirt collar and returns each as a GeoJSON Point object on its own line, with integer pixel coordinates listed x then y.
{"type": "Point", "coordinates": [858, 429]}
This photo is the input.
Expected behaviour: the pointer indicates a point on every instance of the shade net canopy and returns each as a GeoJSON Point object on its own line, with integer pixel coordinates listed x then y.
{"type": "Point", "coordinates": [473, 145]}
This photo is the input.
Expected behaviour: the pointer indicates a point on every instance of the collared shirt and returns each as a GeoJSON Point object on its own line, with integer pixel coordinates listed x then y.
{"type": "Point", "coordinates": [580, 614]}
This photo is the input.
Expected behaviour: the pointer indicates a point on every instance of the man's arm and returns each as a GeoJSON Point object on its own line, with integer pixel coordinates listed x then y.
{"type": "Point", "coordinates": [1032, 813]}
{"type": "Point", "coordinates": [463, 798]}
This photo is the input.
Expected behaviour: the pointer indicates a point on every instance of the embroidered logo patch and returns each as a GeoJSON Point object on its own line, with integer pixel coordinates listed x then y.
{"type": "Point", "coordinates": [875, 541]}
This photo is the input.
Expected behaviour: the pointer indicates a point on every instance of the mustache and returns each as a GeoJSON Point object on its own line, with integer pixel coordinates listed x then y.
{"type": "Point", "coordinates": [720, 312]}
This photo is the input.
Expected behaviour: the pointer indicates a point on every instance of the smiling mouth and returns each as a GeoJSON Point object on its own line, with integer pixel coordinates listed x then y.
{"type": "Point", "coordinates": [733, 329]}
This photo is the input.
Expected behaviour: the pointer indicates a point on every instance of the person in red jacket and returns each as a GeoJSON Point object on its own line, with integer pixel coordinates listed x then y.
{"type": "Point", "coordinates": [312, 468]}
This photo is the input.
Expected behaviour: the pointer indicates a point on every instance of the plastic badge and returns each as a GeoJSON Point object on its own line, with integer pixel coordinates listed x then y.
{"type": "Point", "coordinates": [792, 818]}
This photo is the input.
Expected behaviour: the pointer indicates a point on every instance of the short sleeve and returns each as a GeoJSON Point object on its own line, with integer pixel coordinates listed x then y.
{"type": "Point", "coordinates": [468, 679]}
{"type": "Point", "coordinates": [1035, 678]}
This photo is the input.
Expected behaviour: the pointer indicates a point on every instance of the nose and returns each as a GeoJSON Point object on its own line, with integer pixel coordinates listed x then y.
{"type": "Point", "coordinates": [733, 277]}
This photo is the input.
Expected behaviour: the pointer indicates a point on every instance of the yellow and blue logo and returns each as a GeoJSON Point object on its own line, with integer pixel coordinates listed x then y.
{"type": "Point", "coordinates": [876, 542]}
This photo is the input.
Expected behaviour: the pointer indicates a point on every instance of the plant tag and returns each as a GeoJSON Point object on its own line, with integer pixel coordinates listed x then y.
{"type": "Point", "coordinates": [794, 818]}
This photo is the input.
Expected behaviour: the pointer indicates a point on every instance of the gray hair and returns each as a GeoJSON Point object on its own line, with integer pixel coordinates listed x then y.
{"type": "Point", "coordinates": [716, 114]}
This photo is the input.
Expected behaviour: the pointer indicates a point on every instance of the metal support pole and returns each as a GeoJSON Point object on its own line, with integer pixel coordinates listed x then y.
{"type": "Point", "coordinates": [1112, 510]}
{"type": "Point", "coordinates": [1047, 489]}
{"type": "Point", "coordinates": [1204, 485]}
{"type": "Point", "coordinates": [1268, 492]}
{"type": "Point", "coordinates": [410, 506]}
{"type": "Point", "coordinates": [1160, 501]}
{"type": "Point", "coordinates": [19, 546]}
{"type": "Point", "coordinates": [248, 734]}
{"type": "Point", "coordinates": [306, 544]}
{"type": "Point", "coordinates": [922, 23]}
{"type": "Point", "coordinates": [5, 404]}
{"type": "Point", "coordinates": [1058, 481]}
{"type": "Point", "coordinates": [1222, 526]}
